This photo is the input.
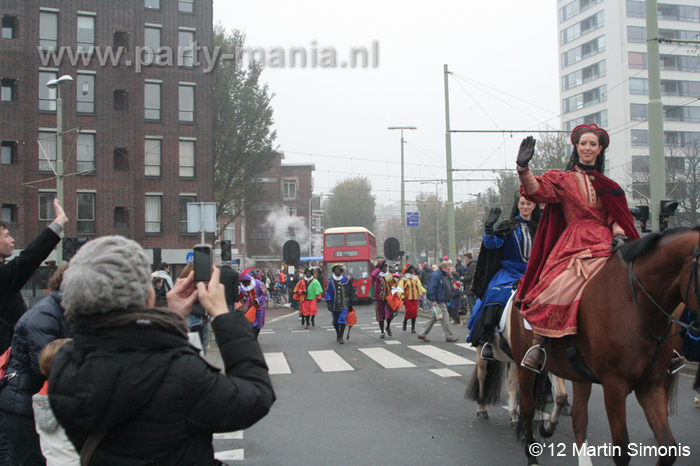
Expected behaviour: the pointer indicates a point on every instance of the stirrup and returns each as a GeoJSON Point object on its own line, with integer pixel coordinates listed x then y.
{"type": "Point", "coordinates": [536, 369]}
{"type": "Point", "coordinates": [487, 353]}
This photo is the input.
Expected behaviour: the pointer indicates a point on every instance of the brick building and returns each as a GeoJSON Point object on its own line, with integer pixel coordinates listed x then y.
{"type": "Point", "coordinates": [282, 215]}
{"type": "Point", "coordinates": [137, 142]}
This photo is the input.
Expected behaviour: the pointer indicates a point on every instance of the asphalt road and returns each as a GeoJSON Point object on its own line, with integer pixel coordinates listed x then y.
{"type": "Point", "coordinates": [399, 401]}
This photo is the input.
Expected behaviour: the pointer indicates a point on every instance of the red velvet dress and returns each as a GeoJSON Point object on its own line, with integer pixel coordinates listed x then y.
{"type": "Point", "coordinates": [551, 305]}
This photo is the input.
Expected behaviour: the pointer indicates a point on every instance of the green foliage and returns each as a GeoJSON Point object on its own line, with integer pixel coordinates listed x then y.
{"type": "Point", "coordinates": [352, 204]}
{"type": "Point", "coordinates": [242, 129]}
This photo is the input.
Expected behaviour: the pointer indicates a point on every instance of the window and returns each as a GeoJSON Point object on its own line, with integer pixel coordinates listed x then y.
{"type": "Point", "coordinates": [598, 118]}
{"type": "Point", "coordinates": [151, 43]}
{"type": "Point", "coordinates": [9, 27]}
{"type": "Point", "coordinates": [242, 233]}
{"type": "Point", "coordinates": [640, 137]}
{"type": "Point", "coordinates": [637, 60]}
{"type": "Point", "coordinates": [639, 86]}
{"type": "Point", "coordinates": [187, 151]}
{"type": "Point", "coordinates": [121, 100]}
{"type": "Point", "coordinates": [357, 239]}
{"type": "Point", "coordinates": [640, 164]}
{"type": "Point", "coordinates": [152, 4]}
{"type": "Point", "coordinates": [583, 51]}
{"type": "Point", "coordinates": [638, 112]}
{"type": "Point", "coordinates": [185, 52]}
{"type": "Point", "coordinates": [183, 211]}
{"type": "Point", "coordinates": [584, 75]}
{"type": "Point", "coordinates": [636, 9]}
{"type": "Point", "coordinates": [47, 96]}
{"type": "Point", "coordinates": [585, 99]}
{"type": "Point", "coordinates": [292, 211]}
{"type": "Point", "coordinates": [85, 89]}
{"type": "Point", "coordinates": [8, 214]}
{"type": "Point", "coordinates": [582, 28]}
{"type": "Point", "coordinates": [8, 152]}
{"type": "Point", "coordinates": [85, 151]}
{"type": "Point", "coordinates": [121, 40]}
{"type": "Point", "coordinates": [335, 240]}
{"type": "Point", "coordinates": [46, 210]}
{"type": "Point", "coordinates": [9, 86]}
{"type": "Point", "coordinates": [289, 189]}
{"type": "Point", "coordinates": [153, 213]}
{"type": "Point", "coordinates": [152, 152]}
{"type": "Point", "coordinates": [121, 218]}
{"type": "Point", "coordinates": [48, 30]}
{"type": "Point", "coordinates": [577, 6]}
{"type": "Point", "coordinates": [121, 159]}
{"type": "Point", "coordinates": [230, 233]}
{"type": "Point", "coordinates": [186, 95]}
{"type": "Point", "coordinates": [86, 33]}
{"type": "Point", "coordinates": [152, 101]}
{"type": "Point", "coordinates": [636, 34]}
{"type": "Point", "coordinates": [185, 6]}
{"type": "Point", "coordinates": [86, 213]}
{"type": "Point", "coordinates": [47, 151]}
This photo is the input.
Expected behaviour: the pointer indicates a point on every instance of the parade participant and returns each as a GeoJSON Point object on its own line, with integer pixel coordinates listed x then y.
{"type": "Point", "coordinates": [456, 302]}
{"type": "Point", "coordinates": [439, 292]}
{"type": "Point", "coordinates": [505, 251]}
{"type": "Point", "coordinates": [339, 294]}
{"type": "Point", "coordinates": [586, 219]}
{"type": "Point", "coordinates": [129, 386]}
{"type": "Point", "coordinates": [381, 289]}
{"type": "Point", "coordinates": [252, 293]}
{"type": "Point", "coordinates": [314, 291]}
{"type": "Point", "coordinates": [412, 291]}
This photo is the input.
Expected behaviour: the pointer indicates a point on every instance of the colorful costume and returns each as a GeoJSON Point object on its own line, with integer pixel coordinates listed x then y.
{"type": "Point", "coordinates": [248, 296]}
{"type": "Point", "coordinates": [381, 290]}
{"type": "Point", "coordinates": [574, 244]}
{"type": "Point", "coordinates": [513, 239]}
{"type": "Point", "coordinates": [309, 309]}
{"type": "Point", "coordinates": [339, 294]}
{"type": "Point", "coordinates": [412, 290]}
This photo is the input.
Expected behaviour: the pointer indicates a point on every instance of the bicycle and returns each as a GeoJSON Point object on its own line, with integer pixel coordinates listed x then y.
{"type": "Point", "coordinates": [278, 296]}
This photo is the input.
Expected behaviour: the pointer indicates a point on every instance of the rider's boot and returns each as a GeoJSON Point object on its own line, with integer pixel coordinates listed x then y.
{"type": "Point", "coordinates": [487, 352]}
{"type": "Point", "coordinates": [536, 357]}
{"type": "Point", "coordinates": [677, 362]}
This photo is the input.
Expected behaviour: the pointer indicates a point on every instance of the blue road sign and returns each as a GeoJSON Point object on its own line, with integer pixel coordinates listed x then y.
{"type": "Point", "coordinates": [412, 219]}
{"type": "Point", "coordinates": [189, 257]}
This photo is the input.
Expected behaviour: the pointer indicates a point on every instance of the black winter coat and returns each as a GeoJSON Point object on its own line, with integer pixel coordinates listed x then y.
{"type": "Point", "coordinates": [13, 275]}
{"type": "Point", "coordinates": [41, 324]}
{"type": "Point", "coordinates": [156, 398]}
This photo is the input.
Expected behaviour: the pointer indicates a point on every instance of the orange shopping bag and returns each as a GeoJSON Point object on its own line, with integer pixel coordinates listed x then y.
{"type": "Point", "coordinates": [351, 318]}
{"type": "Point", "coordinates": [250, 315]}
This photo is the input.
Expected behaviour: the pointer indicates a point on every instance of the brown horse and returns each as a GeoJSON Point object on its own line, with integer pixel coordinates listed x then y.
{"type": "Point", "coordinates": [624, 337]}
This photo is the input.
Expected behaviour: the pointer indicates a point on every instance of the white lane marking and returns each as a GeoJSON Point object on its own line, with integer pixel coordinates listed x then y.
{"type": "Point", "coordinates": [330, 361]}
{"type": "Point", "coordinates": [386, 358]}
{"type": "Point", "coordinates": [237, 435]}
{"type": "Point", "coordinates": [440, 355]}
{"type": "Point", "coordinates": [295, 313]}
{"type": "Point", "coordinates": [277, 363]}
{"type": "Point", "coordinates": [300, 331]}
{"type": "Point", "coordinates": [230, 455]}
{"type": "Point", "coordinates": [367, 328]}
{"type": "Point", "coordinates": [445, 372]}
{"type": "Point", "coordinates": [467, 346]}
{"type": "Point", "coordinates": [392, 342]}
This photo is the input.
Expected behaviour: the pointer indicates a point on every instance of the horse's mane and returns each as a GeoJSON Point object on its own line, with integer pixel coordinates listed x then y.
{"type": "Point", "coordinates": [636, 249]}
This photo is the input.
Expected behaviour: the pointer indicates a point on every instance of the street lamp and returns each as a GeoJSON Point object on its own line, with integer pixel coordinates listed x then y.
{"type": "Point", "coordinates": [403, 193]}
{"type": "Point", "coordinates": [56, 84]}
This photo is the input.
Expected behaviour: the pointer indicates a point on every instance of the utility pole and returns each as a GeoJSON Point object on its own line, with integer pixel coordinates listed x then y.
{"type": "Point", "coordinates": [657, 159]}
{"type": "Point", "coordinates": [403, 191]}
{"type": "Point", "coordinates": [56, 84]}
{"type": "Point", "coordinates": [452, 247]}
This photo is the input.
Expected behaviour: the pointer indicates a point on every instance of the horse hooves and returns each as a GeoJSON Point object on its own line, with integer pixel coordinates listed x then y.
{"type": "Point", "coordinates": [513, 425]}
{"type": "Point", "coordinates": [483, 415]}
{"type": "Point", "coordinates": [544, 433]}
{"type": "Point", "coordinates": [566, 410]}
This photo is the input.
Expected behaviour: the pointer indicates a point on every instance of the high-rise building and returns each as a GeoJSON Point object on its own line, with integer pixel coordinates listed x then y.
{"type": "Point", "coordinates": [137, 117]}
{"type": "Point", "coordinates": [604, 80]}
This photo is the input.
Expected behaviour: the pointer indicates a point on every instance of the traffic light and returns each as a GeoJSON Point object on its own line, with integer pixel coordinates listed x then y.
{"type": "Point", "coordinates": [291, 252]}
{"type": "Point", "coordinates": [641, 213]}
{"type": "Point", "coordinates": [71, 247]}
{"type": "Point", "coordinates": [392, 249]}
{"type": "Point", "coordinates": [668, 209]}
{"type": "Point", "coordinates": [225, 250]}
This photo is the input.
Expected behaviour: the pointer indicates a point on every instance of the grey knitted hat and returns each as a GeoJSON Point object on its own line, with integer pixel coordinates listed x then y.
{"type": "Point", "coordinates": [108, 273]}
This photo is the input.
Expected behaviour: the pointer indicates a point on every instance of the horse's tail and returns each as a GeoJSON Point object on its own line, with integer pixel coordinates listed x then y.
{"type": "Point", "coordinates": [493, 385]}
{"type": "Point", "coordinates": [672, 396]}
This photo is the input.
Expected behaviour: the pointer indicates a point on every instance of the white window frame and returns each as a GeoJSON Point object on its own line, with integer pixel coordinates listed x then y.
{"type": "Point", "coordinates": [150, 167]}
{"type": "Point", "coordinates": [186, 163]}
{"type": "Point", "coordinates": [154, 223]}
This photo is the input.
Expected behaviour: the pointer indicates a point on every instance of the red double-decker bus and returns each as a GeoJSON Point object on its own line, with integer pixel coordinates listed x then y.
{"type": "Point", "coordinates": [355, 247]}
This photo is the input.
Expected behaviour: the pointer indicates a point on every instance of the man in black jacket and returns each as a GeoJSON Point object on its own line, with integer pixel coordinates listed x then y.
{"type": "Point", "coordinates": [15, 273]}
{"type": "Point", "coordinates": [229, 278]}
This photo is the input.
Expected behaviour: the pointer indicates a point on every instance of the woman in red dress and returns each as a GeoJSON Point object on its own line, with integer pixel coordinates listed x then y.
{"type": "Point", "coordinates": [586, 219]}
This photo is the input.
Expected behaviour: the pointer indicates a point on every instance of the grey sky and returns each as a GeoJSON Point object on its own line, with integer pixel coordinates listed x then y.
{"type": "Point", "coordinates": [339, 116]}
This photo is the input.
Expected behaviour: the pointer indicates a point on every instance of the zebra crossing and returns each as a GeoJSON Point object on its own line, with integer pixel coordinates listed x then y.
{"type": "Point", "coordinates": [329, 361]}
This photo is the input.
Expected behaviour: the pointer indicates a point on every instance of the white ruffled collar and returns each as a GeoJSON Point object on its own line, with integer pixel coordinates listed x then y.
{"type": "Point", "coordinates": [308, 279]}
{"type": "Point", "coordinates": [337, 278]}
{"type": "Point", "coordinates": [250, 286]}
{"type": "Point", "coordinates": [383, 274]}
{"type": "Point", "coordinates": [409, 275]}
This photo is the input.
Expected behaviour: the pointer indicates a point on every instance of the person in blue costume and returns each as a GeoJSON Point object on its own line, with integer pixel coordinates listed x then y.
{"type": "Point", "coordinates": [339, 296]}
{"type": "Point", "coordinates": [505, 251]}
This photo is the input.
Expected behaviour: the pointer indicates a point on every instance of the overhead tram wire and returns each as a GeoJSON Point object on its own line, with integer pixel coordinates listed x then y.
{"type": "Point", "coordinates": [477, 104]}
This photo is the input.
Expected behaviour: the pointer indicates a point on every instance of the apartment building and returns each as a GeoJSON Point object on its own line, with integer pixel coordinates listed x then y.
{"type": "Point", "coordinates": [137, 124]}
{"type": "Point", "coordinates": [604, 80]}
